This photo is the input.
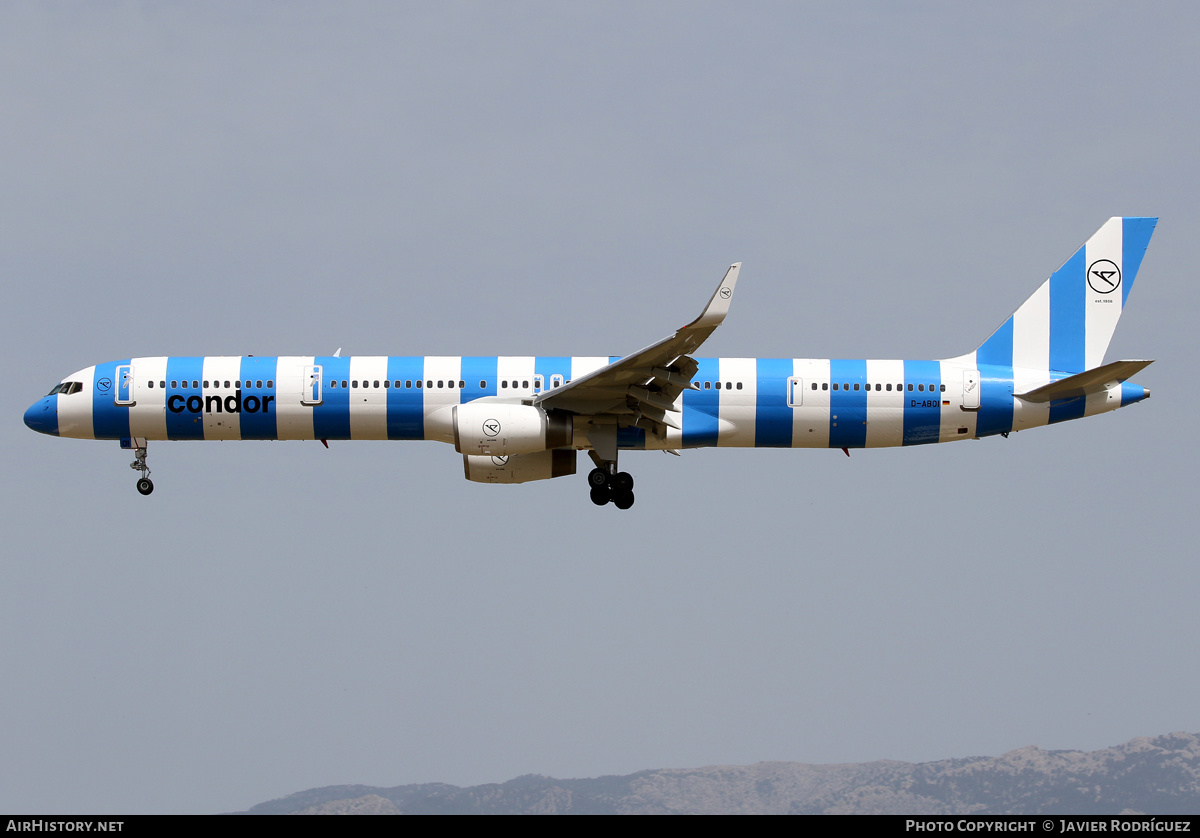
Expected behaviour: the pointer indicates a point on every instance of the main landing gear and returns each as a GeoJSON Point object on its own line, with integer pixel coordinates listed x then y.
{"type": "Point", "coordinates": [144, 485]}
{"type": "Point", "coordinates": [608, 484]}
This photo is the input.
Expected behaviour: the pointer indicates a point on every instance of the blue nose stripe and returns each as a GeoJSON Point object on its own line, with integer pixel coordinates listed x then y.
{"type": "Point", "coordinates": [43, 416]}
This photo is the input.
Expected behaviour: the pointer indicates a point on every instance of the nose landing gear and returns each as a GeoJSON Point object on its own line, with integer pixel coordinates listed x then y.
{"type": "Point", "coordinates": [144, 485]}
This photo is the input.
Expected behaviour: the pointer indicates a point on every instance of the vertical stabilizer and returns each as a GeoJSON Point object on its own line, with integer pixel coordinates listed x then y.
{"type": "Point", "coordinates": [1067, 324]}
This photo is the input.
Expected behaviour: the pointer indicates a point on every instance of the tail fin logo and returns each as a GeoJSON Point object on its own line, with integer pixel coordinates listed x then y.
{"type": "Point", "coordinates": [1104, 276]}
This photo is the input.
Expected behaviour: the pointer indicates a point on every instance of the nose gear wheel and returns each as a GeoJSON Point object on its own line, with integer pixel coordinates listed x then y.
{"type": "Point", "coordinates": [144, 485]}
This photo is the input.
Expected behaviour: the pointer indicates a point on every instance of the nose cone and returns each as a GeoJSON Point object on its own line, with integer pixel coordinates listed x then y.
{"type": "Point", "coordinates": [43, 416]}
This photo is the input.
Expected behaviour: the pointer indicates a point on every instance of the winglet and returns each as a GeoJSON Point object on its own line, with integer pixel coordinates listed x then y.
{"type": "Point", "coordinates": [718, 306]}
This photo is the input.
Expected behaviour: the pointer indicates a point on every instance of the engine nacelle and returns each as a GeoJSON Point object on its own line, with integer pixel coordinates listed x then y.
{"type": "Point", "coordinates": [541, 465]}
{"type": "Point", "coordinates": [496, 428]}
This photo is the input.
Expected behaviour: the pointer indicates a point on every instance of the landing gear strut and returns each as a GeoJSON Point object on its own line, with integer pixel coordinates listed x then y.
{"type": "Point", "coordinates": [144, 485]}
{"type": "Point", "coordinates": [608, 484]}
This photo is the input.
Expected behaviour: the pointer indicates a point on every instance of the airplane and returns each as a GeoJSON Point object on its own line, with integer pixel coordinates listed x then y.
{"type": "Point", "coordinates": [519, 419]}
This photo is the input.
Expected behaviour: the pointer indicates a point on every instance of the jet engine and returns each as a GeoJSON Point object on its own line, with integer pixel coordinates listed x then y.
{"type": "Point", "coordinates": [500, 429]}
{"type": "Point", "coordinates": [541, 465]}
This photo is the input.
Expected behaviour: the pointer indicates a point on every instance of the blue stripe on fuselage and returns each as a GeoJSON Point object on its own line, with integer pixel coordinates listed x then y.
{"type": "Point", "coordinates": [331, 418]}
{"type": "Point", "coordinates": [259, 423]}
{"type": "Point", "coordinates": [406, 405]}
{"type": "Point", "coordinates": [701, 407]}
{"type": "Point", "coordinates": [109, 420]}
{"type": "Point", "coordinates": [847, 407]}
{"type": "Point", "coordinates": [187, 423]}
{"type": "Point", "coordinates": [772, 416]}
{"type": "Point", "coordinates": [480, 375]}
{"type": "Point", "coordinates": [1063, 409]}
{"type": "Point", "coordinates": [995, 415]}
{"type": "Point", "coordinates": [922, 410]}
{"type": "Point", "coordinates": [547, 366]}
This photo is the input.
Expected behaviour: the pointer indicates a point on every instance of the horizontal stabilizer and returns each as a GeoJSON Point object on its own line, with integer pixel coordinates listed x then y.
{"type": "Point", "coordinates": [1085, 383]}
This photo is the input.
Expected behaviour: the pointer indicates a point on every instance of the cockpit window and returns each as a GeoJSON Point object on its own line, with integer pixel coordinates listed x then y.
{"type": "Point", "coordinates": [66, 388]}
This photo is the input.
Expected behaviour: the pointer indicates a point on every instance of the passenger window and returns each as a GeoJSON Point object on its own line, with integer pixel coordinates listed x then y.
{"type": "Point", "coordinates": [943, 388]}
{"type": "Point", "coordinates": [824, 385]}
{"type": "Point", "coordinates": [333, 384]}
{"type": "Point", "coordinates": [419, 383]}
{"type": "Point", "coordinates": [739, 385]}
{"type": "Point", "coordinates": [150, 384]}
{"type": "Point", "coordinates": [910, 388]}
{"type": "Point", "coordinates": [343, 384]}
{"type": "Point", "coordinates": [504, 384]}
{"type": "Point", "coordinates": [835, 385]}
{"type": "Point", "coordinates": [354, 384]}
{"type": "Point", "coordinates": [707, 385]}
{"type": "Point", "coordinates": [270, 383]}
{"type": "Point", "coordinates": [856, 385]}
{"type": "Point", "coordinates": [814, 385]}
{"type": "Point", "coordinates": [482, 384]}
{"type": "Point", "coordinates": [920, 388]}
{"type": "Point", "coordinates": [462, 384]}
{"type": "Point", "coordinates": [889, 388]}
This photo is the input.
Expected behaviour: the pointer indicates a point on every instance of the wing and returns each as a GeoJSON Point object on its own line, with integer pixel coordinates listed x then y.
{"type": "Point", "coordinates": [641, 389]}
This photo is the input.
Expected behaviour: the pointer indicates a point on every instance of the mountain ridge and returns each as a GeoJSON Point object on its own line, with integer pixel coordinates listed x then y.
{"type": "Point", "coordinates": [1147, 775]}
